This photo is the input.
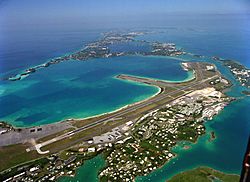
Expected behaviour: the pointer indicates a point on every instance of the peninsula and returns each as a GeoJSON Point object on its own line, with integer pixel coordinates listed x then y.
{"type": "Point", "coordinates": [240, 72]}
{"type": "Point", "coordinates": [204, 174]}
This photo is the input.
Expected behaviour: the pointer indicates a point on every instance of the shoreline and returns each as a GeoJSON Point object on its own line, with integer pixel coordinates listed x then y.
{"type": "Point", "coordinates": [160, 167]}
{"type": "Point", "coordinates": [190, 144]}
{"type": "Point", "coordinates": [188, 79]}
{"type": "Point", "coordinates": [206, 167]}
{"type": "Point", "coordinates": [123, 107]}
{"type": "Point", "coordinates": [172, 160]}
{"type": "Point", "coordinates": [160, 90]}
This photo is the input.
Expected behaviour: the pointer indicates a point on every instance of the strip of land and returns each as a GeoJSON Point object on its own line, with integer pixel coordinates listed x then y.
{"type": "Point", "coordinates": [239, 71]}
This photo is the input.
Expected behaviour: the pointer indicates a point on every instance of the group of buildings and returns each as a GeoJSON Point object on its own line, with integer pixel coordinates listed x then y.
{"type": "Point", "coordinates": [152, 137]}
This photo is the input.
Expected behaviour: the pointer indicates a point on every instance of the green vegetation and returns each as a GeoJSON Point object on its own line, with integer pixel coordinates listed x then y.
{"type": "Point", "coordinates": [42, 162]}
{"type": "Point", "coordinates": [204, 174]}
{"type": "Point", "coordinates": [153, 135]}
{"type": "Point", "coordinates": [14, 155]}
{"type": "Point", "coordinates": [144, 144]}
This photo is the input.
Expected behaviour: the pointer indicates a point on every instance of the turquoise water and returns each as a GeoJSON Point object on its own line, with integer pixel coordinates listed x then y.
{"type": "Point", "coordinates": [88, 172]}
{"type": "Point", "coordinates": [82, 89]}
{"type": "Point", "coordinates": [225, 153]}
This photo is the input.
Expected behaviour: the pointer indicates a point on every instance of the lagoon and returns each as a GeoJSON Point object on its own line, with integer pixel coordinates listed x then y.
{"type": "Point", "coordinates": [88, 172]}
{"type": "Point", "coordinates": [77, 89]}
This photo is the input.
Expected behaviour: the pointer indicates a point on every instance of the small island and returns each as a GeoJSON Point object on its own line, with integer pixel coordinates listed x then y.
{"type": "Point", "coordinates": [212, 136]}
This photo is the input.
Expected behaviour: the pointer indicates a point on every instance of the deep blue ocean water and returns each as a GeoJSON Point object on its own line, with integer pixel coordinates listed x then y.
{"type": "Point", "coordinates": [81, 89]}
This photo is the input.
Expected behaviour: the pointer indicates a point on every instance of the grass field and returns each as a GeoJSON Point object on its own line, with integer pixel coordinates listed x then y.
{"type": "Point", "coordinates": [15, 155]}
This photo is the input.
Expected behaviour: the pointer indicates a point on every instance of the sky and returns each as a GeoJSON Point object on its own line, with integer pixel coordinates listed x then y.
{"type": "Point", "coordinates": [23, 12]}
{"type": "Point", "coordinates": [109, 8]}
